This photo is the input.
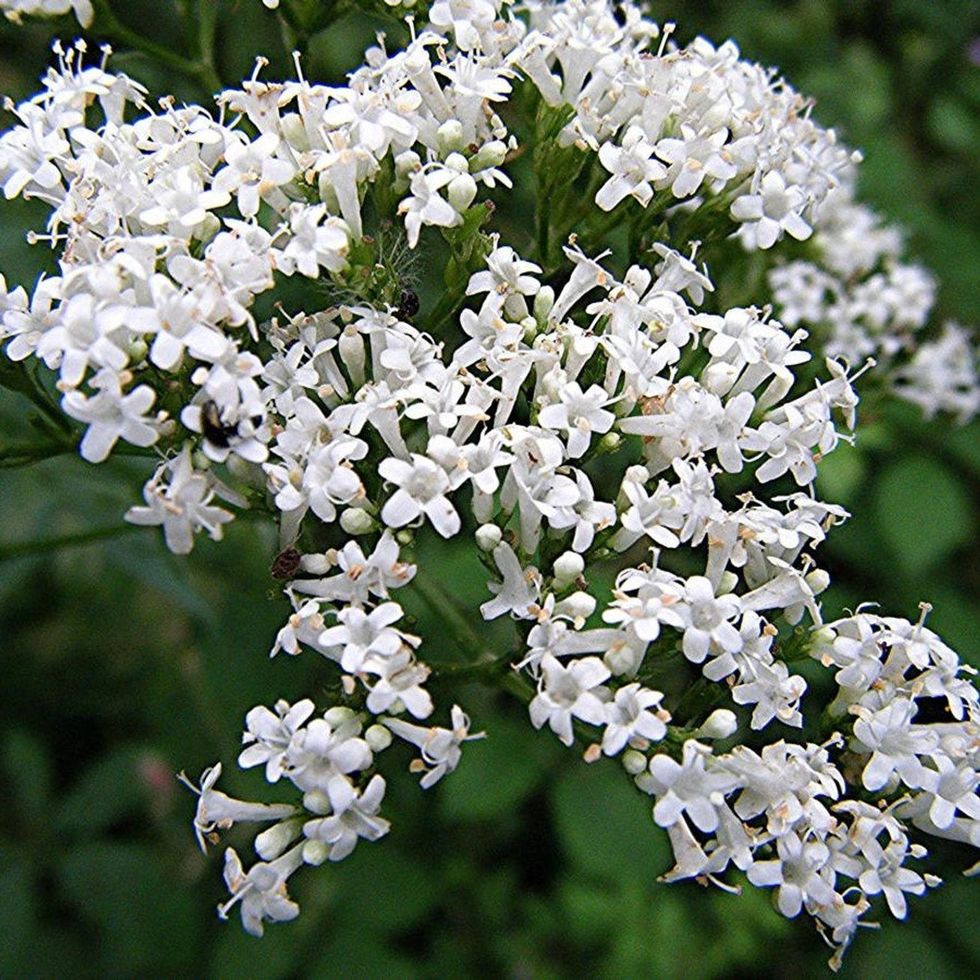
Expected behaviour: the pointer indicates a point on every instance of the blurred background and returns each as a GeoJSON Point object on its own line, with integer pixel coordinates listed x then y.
{"type": "Point", "coordinates": [123, 664]}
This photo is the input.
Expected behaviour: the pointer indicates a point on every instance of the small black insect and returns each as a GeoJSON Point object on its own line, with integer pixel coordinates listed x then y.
{"type": "Point", "coordinates": [217, 432]}
{"type": "Point", "coordinates": [408, 304]}
{"type": "Point", "coordinates": [286, 564]}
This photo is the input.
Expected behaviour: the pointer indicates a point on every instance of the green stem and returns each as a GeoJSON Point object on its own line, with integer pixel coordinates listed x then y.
{"type": "Point", "coordinates": [114, 29]}
{"type": "Point", "coordinates": [443, 604]}
{"type": "Point", "coordinates": [207, 18]}
{"type": "Point", "coordinates": [24, 549]}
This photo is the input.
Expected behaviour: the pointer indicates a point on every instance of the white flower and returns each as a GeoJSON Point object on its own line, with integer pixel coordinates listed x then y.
{"type": "Point", "coordinates": [217, 811]}
{"type": "Point", "coordinates": [180, 498]}
{"type": "Point", "coordinates": [767, 214]}
{"type": "Point", "coordinates": [708, 620]}
{"type": "Point", "coordinates": [628, 717]}
{"type": "Point", "coordinates": [422, 488]}
{"type": "Point", "coordinates": [633, 170]}
{"type": "Point", "coordinates": [578, 414]}
{"type": "Point", "coordinates": [111, 415]}
{"type": "Point", "coordinates": [518, 593]}
{"type": "Point", "coordinates": [360, 635]}
{"type": "Point", "coordinates": [568, 692]}
{"type": "Point", "coordinates": [440, 747]}
{"type": "Point", "coordinates": [342, 831]}
{"type": "Point", "coordinates": [262, 891]}
{"type": "Point", "coordinates": [797, 873]}
{"type": "Point", "coordinates": [894, 743]}
{"type": "Point", "coordinates": [688, 787]}
{"type": "Point", "coordinates": [425, 206]}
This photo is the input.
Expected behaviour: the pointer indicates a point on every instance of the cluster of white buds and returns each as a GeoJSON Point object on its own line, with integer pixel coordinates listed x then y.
{"type": "Point", "coordinates": [566, 408]}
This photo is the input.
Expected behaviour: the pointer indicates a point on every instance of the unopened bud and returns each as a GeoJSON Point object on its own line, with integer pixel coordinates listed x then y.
{"type": "Point", "coordinates": [488, 536]}
{"type": "Point", "coordinates": [634, 762]}
{"type": "Point", "coordinates": [294, 132]}
{"type": "Point", "coordinates": [622, 659]}
{"type": "Point", "coordinates": [579, 605]}
{"type": "Point", "coordinates": [350, 346]}
{"type": "Point", "coordinates": [727, 583]}
{"type": "Point", "coordinates": [355, 520]}
{"type": "Point", "coordinates": [720, 724]}
{"type": "Point", "coordinates": [818, 580]}
{"type": "Point", "coordinates": [316, 801]}
{"type": "Point", "coordinates": [315, 564]}
{"type": "Point", "coordinates": [461, 192]}
{"type": "Point", "coordinates": [272, 842]}
{"type": "Point", "coordinates": [136, 349]}
{"type": "Point", "coordinates": [543, 302]}
{"type": "Point", "coordinates": [449, 137]}
{"type": "Point", "coordinates": [567, 568]}
{"type": "Point", "coordinates": [378, 738]}
{"type": "Point", "coordinates": [338, 715]}
{"type": "Point", "coordinates": [491, 154]}
{"type": "Point", "coordinates": [610, 442]}
{"type": "Point", "coordinates": [457, 162]}
{"type": "Point", "coordinates": [315, 852]}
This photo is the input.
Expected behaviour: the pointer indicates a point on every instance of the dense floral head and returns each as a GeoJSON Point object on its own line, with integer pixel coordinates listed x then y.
{"type": "Point", "coordinates": [238, 290]}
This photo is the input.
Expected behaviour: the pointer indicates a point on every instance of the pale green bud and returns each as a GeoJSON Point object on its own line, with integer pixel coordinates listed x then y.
{"type": "Point", "coordinates": [488, 536]}
{"type": "Point", "coordinates": [355, 520]}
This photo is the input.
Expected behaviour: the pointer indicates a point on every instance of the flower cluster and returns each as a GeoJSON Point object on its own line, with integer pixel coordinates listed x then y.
{"type": "Point", "coordinates": [16, 9]}
{"type": "Point", "coordinates": [566, 409]}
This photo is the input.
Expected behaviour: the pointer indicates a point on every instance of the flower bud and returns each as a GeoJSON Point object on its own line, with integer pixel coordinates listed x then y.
{"type": "Point", "coordinates": [488, 536]}
{"type": "Point", "coordinates": [646, 783]}
{"type": "Point", "coordinates": [316, 801]}
{"type": "Point", "coordinates": [404, 536]}
{"type": "Point", "coordinates": [567, 568]}
{"type": "Point", "coordinates": [356, 520]}
{"type": "Point", "coordinates": [337, 715]}
{"type": "Point", "coordinates": [406, 164]}
{"type": "Point", "coordinates": [461, 191]}
{"type": "Point", "coordinates": [136, 349]}
{"type": "Point", "coordinates": [634, 762]}
{"type": "Point", "coordinates": [378, 738]}
{"type": "Point", "coordinates": [727, 583]}
{"type": "Point", "coordinates": [294, 132]}
{"type": "Point", "coordinates": [622, 659]}
{"type": "Point", "coordinates": [610, 442]}
{"type": "Point", "coordinates": [491, 154]}
{"type": "Point", "coordinates": [818, 580]}
{"type": "Point", "coordinates": [316, 564]}
{"type": "Point", "coordinates": [272, 842]}
{"type": "Point", "coordinates": [543, 302]}
{"type": "Point", "coordinates": [449, 137]}
{"type": "Point", "coordinates": [315, 852]}
{"type": "Point", "coordinates": [579, 605]}
{"type": "Point", "coordinates": [720, 724]}
{"type": "Point", "coordinates": [457, 162]}
{"type": "Point", "coordinates": [350, 346]}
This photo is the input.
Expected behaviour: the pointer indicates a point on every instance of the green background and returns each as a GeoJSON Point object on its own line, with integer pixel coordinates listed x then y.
{"type": "Point", "coordinates": [123, 664]}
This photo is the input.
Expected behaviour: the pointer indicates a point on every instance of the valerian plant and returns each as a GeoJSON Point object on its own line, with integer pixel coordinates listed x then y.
{"type": "Point", "coordinates": [239, 297]}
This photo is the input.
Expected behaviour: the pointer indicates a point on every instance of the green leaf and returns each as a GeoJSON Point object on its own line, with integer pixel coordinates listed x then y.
{"type": "Point", "coordinates": [106, 792]}
{"type": "Point", "coordinates": [922, 513]}
{"type": "Point", "coordinates": [605, 825]}
{"type": "Point", "coordinates": [841, 474]}
{"type": "Point", "coordinates": [28, 774]}
{"type": "Point", "coordinates": [499, 772]}
{"type": "Point", "coordinates": [147, 920]}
